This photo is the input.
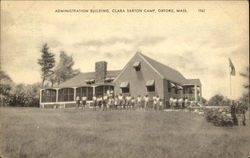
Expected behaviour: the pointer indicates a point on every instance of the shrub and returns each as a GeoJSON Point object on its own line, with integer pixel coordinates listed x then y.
{"type": "Point", "coordinates": [219, 117]}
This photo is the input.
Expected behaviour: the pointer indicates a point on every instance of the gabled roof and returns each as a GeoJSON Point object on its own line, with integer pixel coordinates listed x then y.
{"type": "Point", "coordinates": [166, 71]}
{"type": "Point", "coordinates": [80, 79]}
{"type": "Point", "coordinates": [170, 73]}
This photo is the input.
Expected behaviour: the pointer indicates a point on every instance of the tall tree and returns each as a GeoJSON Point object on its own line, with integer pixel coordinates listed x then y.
{"type": "Point", "coordinates": [47, 62]}
{"type": "Point", "coordinates": [64, 70]}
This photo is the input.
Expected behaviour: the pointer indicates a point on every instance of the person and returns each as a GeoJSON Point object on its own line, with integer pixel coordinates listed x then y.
{"type": "Point", "coordinates": [139, 101]}
{"type": "Point", "coordinates": [146, 102]}
{"type": "Point", "coordinates": [157, 102]}
{"type": "Point", "coordinates": [105, 101]}
{"type": "Point", "coordinates": [112, 93]}
{"type": "Point", "coordinates": [128, 101]}
{"type": "Point", "coordinates": [77, 102]}
{"type": "Point", "coordinates": [110, 104]}
{"type": "Point", "coordinates": [180, 101]}
{"type": "Point", "coordinates": [116, 100]}
{"type": "Point", "coordinates": [94, 102]}
{"type": "Point", "coordinates": [186, 102]}
{"type": "Point", "coordinates": [154, 102]}
{"type": "Point", "coordinates": [132, 103]}
{"type": "Point", "coordinates": [171, 102]}
{"type": "Point", "coordinates": [121, 101]}
{"type": "Point", "coordinates": [174, 102]}
{"type": "Point", "coordinates": [160, 104]}
{"type": "Point", "coordinates": [99, 101]}
{"type": "Point", "coordinates": [84, 101]}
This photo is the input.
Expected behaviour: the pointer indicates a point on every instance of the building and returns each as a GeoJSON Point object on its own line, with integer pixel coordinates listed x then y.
{"type": "Point", "coordinates": [141, 76]}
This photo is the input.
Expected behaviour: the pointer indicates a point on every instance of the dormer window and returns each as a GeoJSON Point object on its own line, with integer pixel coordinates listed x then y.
{"type": "Point", "coordinates": [90, 81]}
{"type": "Point", "coordinates": [109, 79]}
{"type": "Point", "coordinates": [137, 66]}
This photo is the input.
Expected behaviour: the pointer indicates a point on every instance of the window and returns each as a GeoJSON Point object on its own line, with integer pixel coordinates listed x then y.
{"type": "Point", "coordinates": [125, 90]}
{"type": "Point", "coordinates": [66, 94]}
{"type": "Point", "coordinates": [48, 95]}
{"type": "Point", "coordinates": [150, 84]}
{"type": "Point", "coordinates": [124, 87]}
{"type": "Point", "coordinates": [90, 81]}
{"type": "Point", "coordinates": [137, 66]}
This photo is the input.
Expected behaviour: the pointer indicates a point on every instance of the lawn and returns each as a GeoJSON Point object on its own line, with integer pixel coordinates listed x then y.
{"type": "Point", "coordinates": [71, 133]}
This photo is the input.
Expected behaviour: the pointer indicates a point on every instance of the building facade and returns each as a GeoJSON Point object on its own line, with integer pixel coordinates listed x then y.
{"type": "Point", "coordinates": [141, 76]}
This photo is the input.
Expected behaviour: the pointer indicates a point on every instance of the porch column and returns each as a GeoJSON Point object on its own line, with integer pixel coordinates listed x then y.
{"type": "Point", "coordinates": [181, 93]}
{"type": "Point", "coordinates": [93, 90]}
{"type": "Point", "coordinates": [200, 93]}
{"type": "Point", "coordinates": [74, 93]}
{"type": "Point", "coordinates": [40, 99]}
{"type": "Point", "coordinates": [195, 92]}
{"type": "Point", "coordinates": [57, 94]}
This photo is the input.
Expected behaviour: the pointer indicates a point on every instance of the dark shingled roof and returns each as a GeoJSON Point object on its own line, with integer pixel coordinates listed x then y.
{"type": "Point", "coordinates": [170, 73]}
{"type": "Point", "coordinates": [80, 79]}
{"type": "Point", "coordinates": [167, 72]}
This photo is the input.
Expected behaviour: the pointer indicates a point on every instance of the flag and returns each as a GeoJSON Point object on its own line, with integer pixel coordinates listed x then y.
{"type": "Point", "coordinates": [231, 65]}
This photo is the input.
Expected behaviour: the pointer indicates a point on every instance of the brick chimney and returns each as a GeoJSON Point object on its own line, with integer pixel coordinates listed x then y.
{"type": "Point", "coordinates": [100, 71]}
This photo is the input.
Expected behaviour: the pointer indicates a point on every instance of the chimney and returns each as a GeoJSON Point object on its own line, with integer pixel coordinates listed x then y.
{"type": "Point", "coordinates": [100, 71]}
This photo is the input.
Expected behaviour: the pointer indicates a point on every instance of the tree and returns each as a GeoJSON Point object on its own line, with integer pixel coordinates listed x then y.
{"type": "Point", "coordinates": [6, 85]}
{"type": "Point", "coordinates": [64, 70]}
{"type": "Point", "coordinates": [245, 97]}
{"type": "Point", "coordinates": [246, 75]}
{"type": "Point", "coordinates": [218, 100]}
{"type": "Point", "coordinates": [47, 62]}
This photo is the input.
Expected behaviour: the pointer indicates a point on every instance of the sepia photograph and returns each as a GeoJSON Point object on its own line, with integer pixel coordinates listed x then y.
{"type": "Point", "coordinates": [124, 79]}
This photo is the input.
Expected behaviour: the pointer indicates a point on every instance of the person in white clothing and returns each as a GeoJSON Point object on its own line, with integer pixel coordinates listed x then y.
{"type": "Point", "coordinates": [84, 101]}
{"type": "Point", "coordinates": [146, 102]}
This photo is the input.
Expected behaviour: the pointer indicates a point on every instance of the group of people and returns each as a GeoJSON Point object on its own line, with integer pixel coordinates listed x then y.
{"type": "Point", "coordinates": [109, 101]}
{"type": "Point", "coordinates": [176, 103]}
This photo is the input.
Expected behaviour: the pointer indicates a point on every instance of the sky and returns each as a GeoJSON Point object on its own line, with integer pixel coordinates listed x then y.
{"type": "Point", "coordinates": [197, 44]}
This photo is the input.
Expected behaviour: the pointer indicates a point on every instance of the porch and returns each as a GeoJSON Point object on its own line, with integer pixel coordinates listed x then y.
{"type": "Point", "coordinates": [67, 95]}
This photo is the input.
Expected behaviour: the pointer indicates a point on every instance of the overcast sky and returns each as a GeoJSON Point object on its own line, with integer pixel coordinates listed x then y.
{"type": "Point", "coordinates": [196, 44]}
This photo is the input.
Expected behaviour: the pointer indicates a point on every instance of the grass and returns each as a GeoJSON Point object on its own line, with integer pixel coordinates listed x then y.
{"type": "Point", "coordinates": [60, 133]}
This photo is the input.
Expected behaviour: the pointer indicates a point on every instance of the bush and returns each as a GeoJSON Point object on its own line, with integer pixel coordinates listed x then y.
{"type": "Point", "coordinates": [219, 117]}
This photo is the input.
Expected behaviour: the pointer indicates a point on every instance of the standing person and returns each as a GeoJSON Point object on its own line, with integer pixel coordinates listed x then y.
{"type": "Point", "coordinates": [84, 101]}
{"type": "Point", "coordinates": [99, 101]}
{"type": "Point", "coordinates": [104, 102]}
{"type": "Point", "coordinates": [154, 102]}
{"type": "Point", "coordinates": [158, 102]}
{"type": "Point", "coordinates": [116, 101]}
{"type": "Point", "coordinates": [139, 101]}
{"type": "Point", "coordinates": [186, 102]}
{"type": "Point", "coordinates": [77, 102]}
{"type": "Point", "coordinates": [132, 103]}
{"type": "Point", "coordinates": [110, 104]}
{"type": "Point", "coordinates": [121, 102]}
{"type": "Point", "coordinates": [128, 101]}
{"type": "Point", "coordinates": [146, 102]}
{"type": "Point", "coordinates": [94, 102]}
{"type": "Point", "coordinates": [180, 102]}
{"type": "Point", "coordinates": [112, 93]}
{"type": "Point", "coordinates": [171, 102]}
{"type": "Point", "coordinates": [174, 102]}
